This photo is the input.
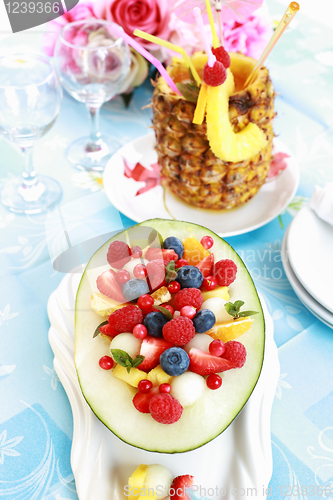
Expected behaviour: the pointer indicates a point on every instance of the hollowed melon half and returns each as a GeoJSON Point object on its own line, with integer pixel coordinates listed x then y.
{"type": "Point", "coordinates": [111, 399]}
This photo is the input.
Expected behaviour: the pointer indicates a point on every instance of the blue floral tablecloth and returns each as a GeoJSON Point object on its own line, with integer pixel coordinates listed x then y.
{"type": "Point", "coordinates": [35, 415]}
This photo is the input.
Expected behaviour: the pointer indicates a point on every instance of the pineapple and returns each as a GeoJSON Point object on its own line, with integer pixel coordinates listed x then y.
{"type": "Point", "coordinates": [188, 165]}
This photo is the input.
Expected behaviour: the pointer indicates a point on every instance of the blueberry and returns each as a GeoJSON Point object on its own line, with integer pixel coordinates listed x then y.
{"type": "Point", "coordinates": [154, 323]}
{"type": "Point", "coordinates": [204, 320]}
{"type": "Point", "coordinates": [189, 277]}
{"type": "Point", "coordinates": [175, 244]}
{"type": "Point", "coordinates": [133, 289]}
{"type": "Point", "coordinates": [174, 361]}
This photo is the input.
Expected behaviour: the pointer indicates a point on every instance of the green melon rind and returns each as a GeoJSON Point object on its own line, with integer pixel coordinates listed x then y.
{"type": "Point", "coordinates": [111, 399]}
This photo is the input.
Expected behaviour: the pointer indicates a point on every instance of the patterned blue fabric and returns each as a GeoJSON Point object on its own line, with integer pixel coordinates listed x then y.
{"type": "Point", "coordinates": [35, 415]}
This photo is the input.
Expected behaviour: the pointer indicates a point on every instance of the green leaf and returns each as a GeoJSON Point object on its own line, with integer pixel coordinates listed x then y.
{"type": "Point", "coordinates": [229, 307]}
{"type": "Point", "coordinates": [189, 91]}
{"type": "Point", "coordinates": [137, 361]}
{"type": "Point", "coordinates": [97, 332]}
{"type": "Point", "coordinates": [164, 311]}
{"type": "Point", "coordinates": [124, 359]}
{"type": "Point", "coordinates": [234, 309]}
{"type": "Point", "coordinates": [243, 314]}
{"type": "Point", "coordinates": [238, 304]}
{"type": "Point", "coordinates": [171, 273]}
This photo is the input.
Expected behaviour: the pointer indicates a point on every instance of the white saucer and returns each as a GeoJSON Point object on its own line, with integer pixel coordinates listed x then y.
{"type": "Point", "coordinates": [310, 303]}
{"type": "Point", "coordinates": [310, 250]}
{"type": "Point", "coordinates": [102, 463]}
{"type": "Point", "coordinates": [269, 202]}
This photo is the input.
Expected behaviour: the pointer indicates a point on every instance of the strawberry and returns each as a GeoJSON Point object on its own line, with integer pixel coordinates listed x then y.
{"type": "Point", "coordinates": [107, 284]}
{"type": "Point", "coordinates": [141, 401]}
{"type": "Point", "coordinates": [151, 349]}
{"type": "Point", "coordinates": [156, 273]}
{"type": "Point", "coordinates": [161, 253]}
{"type": "Point", "coordinates": [178, 487]}
{"type": "Point", "coordinates": [206, 265]}
{"type": "Point", "coordinates": [204, 363]}
{"type": "Point", "coordinates": [108, 330]}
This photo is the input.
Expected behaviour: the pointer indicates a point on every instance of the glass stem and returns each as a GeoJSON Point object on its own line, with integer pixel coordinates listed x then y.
{"type": "Point", "coordinates": [95, 134]}
{"type": "Point", "coordinates": [29, 174]}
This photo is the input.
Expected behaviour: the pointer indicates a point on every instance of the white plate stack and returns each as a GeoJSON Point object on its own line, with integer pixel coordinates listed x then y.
{"type": "Point", "coordinates": [307, 255]}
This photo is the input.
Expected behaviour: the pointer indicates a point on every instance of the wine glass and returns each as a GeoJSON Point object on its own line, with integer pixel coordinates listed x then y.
{"type": "Point", "coordinates": [92, 62]}
{"type": "Point", "coordinates": [30, 101]}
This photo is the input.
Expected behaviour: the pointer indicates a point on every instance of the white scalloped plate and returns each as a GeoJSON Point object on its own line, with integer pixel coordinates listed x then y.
{"type": "Point", "coordinates": [240, 458]}
{"type": "Point", "coordinates": [272, 198]}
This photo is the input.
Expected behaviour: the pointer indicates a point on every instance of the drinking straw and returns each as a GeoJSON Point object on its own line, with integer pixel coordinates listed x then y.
{"type": "Point", "coordinates": [200, 24]}
{"type": "Point", "coordinates": [216, 41]}
{"type": "Point", "coordinates": [172, 46]}
{"type": "Point", "coordinates": [158, 65]}
{"type": "Point", "coordinates": [218, 10]}
{"type": "Point", "coordinates": [292, 9]}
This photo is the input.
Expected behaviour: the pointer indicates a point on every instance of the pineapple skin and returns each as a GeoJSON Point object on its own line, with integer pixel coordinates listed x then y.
{"type": "Point", "coordinates": [189, 167]}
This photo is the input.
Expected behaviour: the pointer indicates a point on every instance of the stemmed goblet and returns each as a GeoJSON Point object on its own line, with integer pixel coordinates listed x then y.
{"type": "Point", "coordinates": [92, 62]}
{"type": "Point", "coordinates": [30, 101]}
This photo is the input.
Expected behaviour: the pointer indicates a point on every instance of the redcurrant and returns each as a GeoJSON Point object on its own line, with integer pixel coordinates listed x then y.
{"type": "Point", "coordinates": [106, 362]}
{"type": "Point", "coordinates": [188, 312]}
{"type": "Point", "coordinates": [122, 276]}
{"type": "Point", "coordinates": [207, 242]}
{"type": "Point", "coordinates": [136, 252]}
{"type": "Point", "coordinates": [214, 381]}
{"type": "Point", "coordinates": [174, 287]}
{"type": "Point", "coordinates": [169, 308]}
{"type": "Point", "coordinates": [140, 272]}
{"type": "Point", "coordinates": [165, 388]}
{"type": "Point", "coordinates": [145, 302]}
{"type": "Point", "coordinates": [144, 386]}
{"type": "Point", "coordinates": [210, 283]}
{"type": "Point", "coordinates": [217, 347]}
{"type": "Point", "coordinates": [140, 331]}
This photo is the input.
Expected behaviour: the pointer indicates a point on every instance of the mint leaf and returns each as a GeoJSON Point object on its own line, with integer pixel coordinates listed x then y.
{"type": "Point", "coordinates": [171, 273]}
{"type": "Point", "coordinates": [164, 311]}
{"type": "Point", "coordinates": [243, 314]}
{"type": "Point", "coordinates": [234, 309]}
{"type": "Point", "coordinates": [189, 91]}
{"type": "Point", "coordinates": [124, 359]}
{"type": "Point", "coordinates": [238, 304]}
{"type": "Point", "coordinates": [97, 332]}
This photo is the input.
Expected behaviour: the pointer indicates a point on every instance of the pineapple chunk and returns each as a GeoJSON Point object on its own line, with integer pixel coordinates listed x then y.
{"type": "Point", "coordinates": [224, 142]}
{"type": "Point", "coordinates": [158, 376]}
{"type": "Point", "coordinates": [137, 481]}
{"type": "Point", "coordinates": [132, 377]}
{"type": "Point", "coordinates": [194, 252]}
{"type": "Point", "coordinates": [199, 114]}
{"type": "Point", "coordinates": [161, 296]}
{"type": "Point", "coordinates": [219, 291]}
{"type": "Point", "coordinates": [103, 305]}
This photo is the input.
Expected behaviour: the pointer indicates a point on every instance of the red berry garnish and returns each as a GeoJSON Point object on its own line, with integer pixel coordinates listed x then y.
{"type": "Point", "coordinates": [125, 319]}
{"type": "Point", "coordinates": [179, 331]}
{"type": "Point", "coordinates": [106, 362]}
{"type": "Point", "coordinates": [169, 308]}
{"type": "Point", "coordinates": [225, 272]}
{"type": "Point", "coordinates": [140, 331]}
{"type": "Point", "coordinates": [165, 409]}
{"type": "Point", "coordinates": [207, 242]}
{"type": "Point", "coordinates": [214, 381]}
{"type": "Point", "coordinates": [210, 283]}
{"type": "Point", "coordinates": [179, 486]}
{"type": "Point", "coordinates": [145, 302]}
{"type": "Point", "coordinates": [188, 297]}
{"type": "Point", "coordinates": [235, 352]}
{"type": "Point", "coordinates": [140, 272]}
{"type": "Point", "coordinates": [136, 252]}
{"type": "Point", "coordinates": [122, 276]}
{"type": "Point", "coordinates": [181, 263]}
{"type": "Point", "coordinates": [108, 330]}
{"type": "Point", "coordinates": [188, 312]}
{"type": "Point", "coordinates": [217, 347]}
{"type": "Point", "coordinates": [222, 56]}
{"type": "Point", "coordinates": [216, 75]}
{"type": "Point", "coordinates": [174, 287]}
{"type": "Point", "coordinates": [118, 254]}
{"type": "Point", "coordinates": [144, 386]}
{"type": "Point", "coordinates": [165, 388]}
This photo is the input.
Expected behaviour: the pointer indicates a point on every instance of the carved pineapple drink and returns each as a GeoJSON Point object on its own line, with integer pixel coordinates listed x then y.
{"type": "Point", "coordinates": [223, 162]}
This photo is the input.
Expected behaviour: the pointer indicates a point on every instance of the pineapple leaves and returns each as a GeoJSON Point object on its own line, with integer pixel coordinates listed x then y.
{"type": "Point", "coordinates": [189, 91]}
{"type": "Point", "coordinates": [124, 359]}
{"type": "Point", "coordinates": [234, 310]}
{"type": "Point", "coordinates": [97, 332]}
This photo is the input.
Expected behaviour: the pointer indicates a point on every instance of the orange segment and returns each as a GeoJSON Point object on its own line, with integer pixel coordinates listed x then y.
{"type": "Point", "coordinates": [200, 109]}
{"type": "Point", "coordinates": [194, 252]}
{"type": "Point", "coordinates": [231, 330]}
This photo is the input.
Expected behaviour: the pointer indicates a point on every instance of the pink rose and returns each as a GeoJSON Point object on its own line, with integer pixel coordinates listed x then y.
{"type": "Point", "coordinates": [81, 11]}
{"type": "Point", "coordinates": [151, 16]}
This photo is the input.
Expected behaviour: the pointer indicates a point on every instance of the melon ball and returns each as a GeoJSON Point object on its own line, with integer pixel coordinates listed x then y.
{"type": "Point", "coordinates": [154, 479]}
{"type": "Point", "coordinates": [132, 263]}
{"type": "Point", "coordinates": [216, 305]}
{"type": "Point", "coordinates": [200, 341]}
{"type": "Point", "coordinates": [187, 388]}
{"type": "Point", "coordinates": [126, 342]}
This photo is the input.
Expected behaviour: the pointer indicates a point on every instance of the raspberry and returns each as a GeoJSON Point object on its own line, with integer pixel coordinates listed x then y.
{"type": "Point", "coordinates": [222, 56]}
{"type": "Point", "coordinates": [125, 319]}
{"type": "Point", "coordinates": [225, 272]}
{"type": "Point", "coordinates": [188, 297]}
{"type": "Point", "coordinates": [165, 409]}
{"type": "Point", "coordinates": [216, 75]}
{"type": "Point", "coordinates": [179, 331]}
{"type": "Point", "coordinates": [118, 254]}
{"type": "Point", "coordinates": [235, 352]}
